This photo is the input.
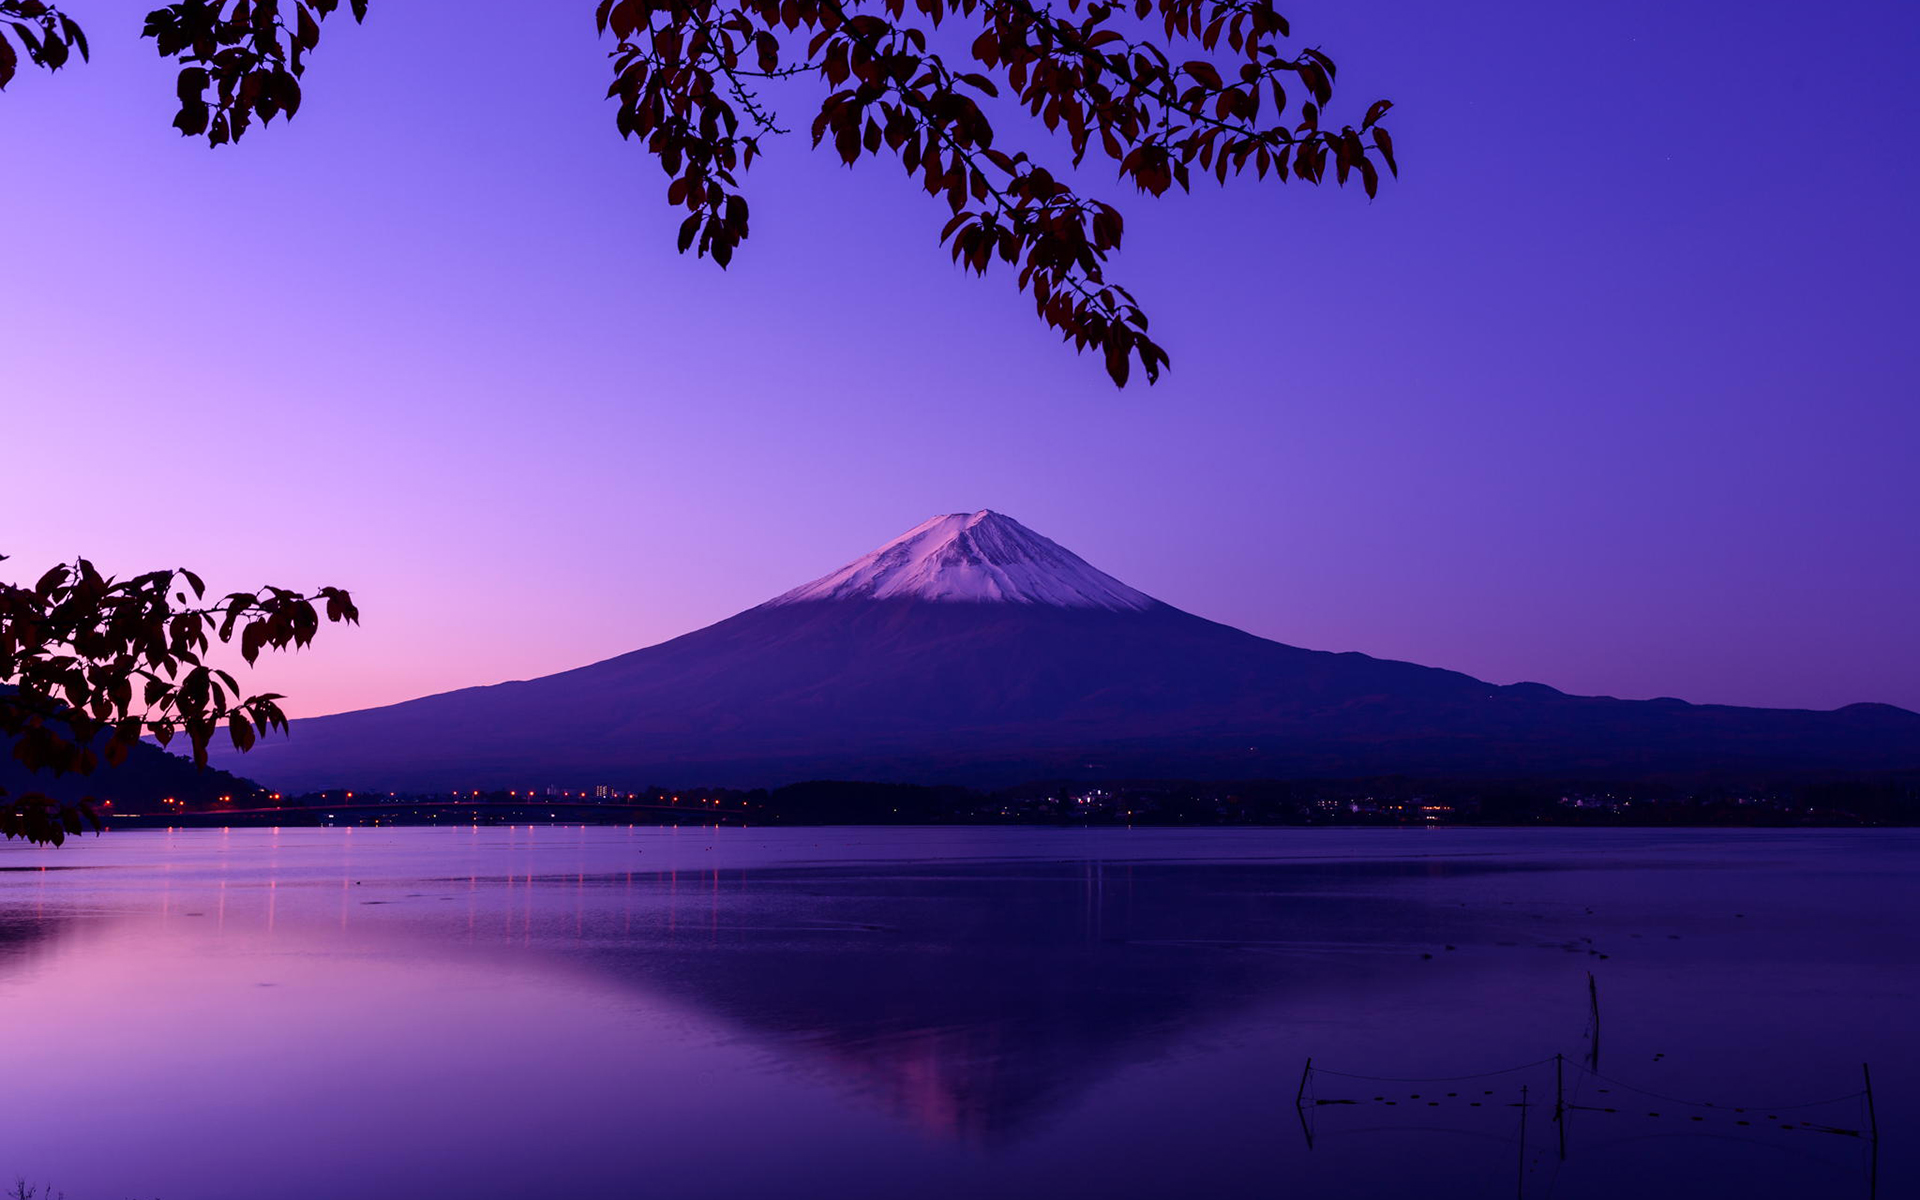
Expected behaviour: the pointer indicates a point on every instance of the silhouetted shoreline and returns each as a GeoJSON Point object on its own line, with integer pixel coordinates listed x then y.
{"type": "Point", "coordinates": [1381, 802]}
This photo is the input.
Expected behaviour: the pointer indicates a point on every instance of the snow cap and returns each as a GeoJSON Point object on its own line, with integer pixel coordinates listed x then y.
{"type": "Point", "coordinates": [982, 557]}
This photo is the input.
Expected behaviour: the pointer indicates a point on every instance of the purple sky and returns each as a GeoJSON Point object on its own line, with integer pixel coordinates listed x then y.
{"type": "Point", "coordinates": [1614, 389]}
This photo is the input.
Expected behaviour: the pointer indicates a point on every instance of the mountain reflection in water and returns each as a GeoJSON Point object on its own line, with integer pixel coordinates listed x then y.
{"type": "Point", "coordinates": [975, 998]}
{"type": "Point", "coordinates": [859, 1013]}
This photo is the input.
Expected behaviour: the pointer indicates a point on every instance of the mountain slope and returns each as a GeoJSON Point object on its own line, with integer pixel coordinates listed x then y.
{"type": "Point", "coordinates": [973, 650]}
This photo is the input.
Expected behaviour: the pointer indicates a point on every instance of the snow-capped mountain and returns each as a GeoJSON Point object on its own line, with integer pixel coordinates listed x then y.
{"type": "Point", "coordinates": [971, 649]}
{"type": "Point", "coordinates": [975, 557]}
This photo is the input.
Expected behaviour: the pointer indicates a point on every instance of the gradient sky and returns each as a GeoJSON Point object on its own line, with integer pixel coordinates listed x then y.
{"type": "Point", "coordinates": [1614, 389]}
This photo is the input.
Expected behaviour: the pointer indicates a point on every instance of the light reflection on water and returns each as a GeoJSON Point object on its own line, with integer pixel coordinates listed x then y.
{"type": "Point", "coordinates": [937, 1012]}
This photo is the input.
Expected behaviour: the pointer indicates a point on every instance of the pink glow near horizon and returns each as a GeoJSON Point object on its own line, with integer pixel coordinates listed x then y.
{"type": "Point", "coordinates": [1623, 413]}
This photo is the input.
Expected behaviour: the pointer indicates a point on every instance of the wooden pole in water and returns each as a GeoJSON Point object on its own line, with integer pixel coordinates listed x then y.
{"type": "Point", "coordinates": [1560, 1102]}
{"type": "Point", "coordinates": [1300, 1102]}
{"type": "Point", "coordinates": [1520, 1178]}
{"type": "Point", "coordinates": [1593, 1007]}
{"type": "Point", "coordinates": [1873, 1130]}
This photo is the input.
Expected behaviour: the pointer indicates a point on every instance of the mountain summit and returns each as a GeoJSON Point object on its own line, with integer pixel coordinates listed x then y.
{"type": "Point", "coordinates": [973, 558]}
{"type": "Point", "coordinates": [973, 650]}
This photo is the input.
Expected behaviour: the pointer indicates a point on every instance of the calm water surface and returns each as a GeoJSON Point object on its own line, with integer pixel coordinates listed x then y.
{"type": "Point", "coordinates": [937, 1013]}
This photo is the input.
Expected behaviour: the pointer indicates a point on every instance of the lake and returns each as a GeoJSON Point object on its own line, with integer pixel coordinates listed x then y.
{"type": "Point", "coordinates": [954, 1012]}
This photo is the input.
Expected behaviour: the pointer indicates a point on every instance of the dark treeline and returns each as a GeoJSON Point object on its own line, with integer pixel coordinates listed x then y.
{"type": "Point", "coordinates": [1388, 800]}
{"type": "Point", "coordinates": [1392, 800]}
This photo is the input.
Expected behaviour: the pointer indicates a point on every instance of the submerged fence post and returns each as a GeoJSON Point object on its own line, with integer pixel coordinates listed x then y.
{"type": "Point", "coordinates": [1593, 1008]}
{"type": "Point", "coordinates": [1300, 1102]}
{"type": "Point", "coordinates": [1560, 1102]}
{"type": "Point", "coordinates": [1520, 1178]}
{"type": "Point", "coordinates": [1873, 1130]}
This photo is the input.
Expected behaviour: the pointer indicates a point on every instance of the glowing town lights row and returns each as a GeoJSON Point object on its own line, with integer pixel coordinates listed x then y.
{"type": "Point", "coordinates": [601, 792]}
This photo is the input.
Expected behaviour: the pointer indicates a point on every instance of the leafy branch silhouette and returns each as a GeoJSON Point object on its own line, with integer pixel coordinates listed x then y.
{"type": "Point", "coordinates": [1165, 90]}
